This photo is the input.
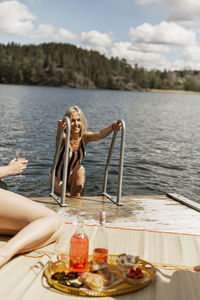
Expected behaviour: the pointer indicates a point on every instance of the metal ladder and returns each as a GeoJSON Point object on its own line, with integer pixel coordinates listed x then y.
{"type": "Point", "coordinates": [121, 162]}
{"type": "Point", "coordinates": [61, 201]}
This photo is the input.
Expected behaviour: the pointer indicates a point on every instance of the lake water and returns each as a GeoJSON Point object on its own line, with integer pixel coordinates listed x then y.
{"type": "Point", "coordinates": [162, 149]}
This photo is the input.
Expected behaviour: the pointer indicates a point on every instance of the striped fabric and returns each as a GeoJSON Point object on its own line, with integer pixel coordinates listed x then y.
{"type": "Point", "coordinates": [75, 158]}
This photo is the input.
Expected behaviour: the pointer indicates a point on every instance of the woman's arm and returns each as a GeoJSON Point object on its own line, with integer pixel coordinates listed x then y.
{"type": "Point", "coordinates": [102, 134]}
{"type": "Point", "coordinates": [15, 166]}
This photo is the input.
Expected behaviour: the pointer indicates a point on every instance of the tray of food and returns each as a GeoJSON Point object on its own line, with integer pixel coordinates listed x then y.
{"type": "Point", "coordinates": [122, 274]}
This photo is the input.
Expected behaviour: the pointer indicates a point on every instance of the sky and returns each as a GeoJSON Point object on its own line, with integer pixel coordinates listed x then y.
{"type": "Point", "coordinates": [154, 34]}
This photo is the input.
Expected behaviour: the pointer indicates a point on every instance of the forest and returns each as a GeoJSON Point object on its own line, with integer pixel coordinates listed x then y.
{"type": "Point", "coordinates": [66, 65]}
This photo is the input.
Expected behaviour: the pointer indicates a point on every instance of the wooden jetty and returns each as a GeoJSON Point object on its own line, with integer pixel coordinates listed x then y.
{"type": "Point", "coordinates": [169, 212]}
{"type": "Point", "coordinates": [163, 230]}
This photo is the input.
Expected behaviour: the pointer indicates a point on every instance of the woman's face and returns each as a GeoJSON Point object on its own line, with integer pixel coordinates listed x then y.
{"type": "Point", "coordinates": [76, 125]}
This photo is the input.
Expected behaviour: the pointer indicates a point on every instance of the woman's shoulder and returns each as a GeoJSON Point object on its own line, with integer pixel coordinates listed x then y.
{"type": "Point", "coordinates": [86, 137]}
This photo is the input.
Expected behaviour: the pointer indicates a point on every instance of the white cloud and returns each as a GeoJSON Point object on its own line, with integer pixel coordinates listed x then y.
{"type": "Point", "coordinates": [191, 53]}
{"type": "Point", "coordinates": [65, 35]}
{"type": "Point", "coordinates": [149, 60]}
{"type": "Point", "coordinates": [44, 31]}
{"type": "Point", "coordinates": [150, 47]}
{"type": "Point", "coordinates": [148, 42]}
{"type": "Point", "coordinates": [96, 39]}
{"type": "Point", "coordinates": [184, 12]}
{"type": "Point", "coordinates": [49, 32]}
{"type": "Point", "coordinates": [182, 64]}
{"type": "Point", "coordinates": [122, 50]}
{"type": "Point", "coordinates": [164, 33]}
{"type": "Point", "coordinates": [15, 18]}
{"type": "Point", "coordinates": [100, 49]}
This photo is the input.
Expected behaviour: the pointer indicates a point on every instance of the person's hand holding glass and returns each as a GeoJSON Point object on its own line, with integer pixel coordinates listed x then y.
{"type": "Point", "coordinates": [17, 165]}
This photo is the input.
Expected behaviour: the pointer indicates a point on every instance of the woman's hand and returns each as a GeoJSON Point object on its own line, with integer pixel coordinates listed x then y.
{"type": "Point", "coordinates": [17, 166]}
{"type": "Point", "coordinates": [116, 126]}
{"type": "Point", "coordinates": [102, 134]}
{"type": "Point", "coordinates": [61, 125]}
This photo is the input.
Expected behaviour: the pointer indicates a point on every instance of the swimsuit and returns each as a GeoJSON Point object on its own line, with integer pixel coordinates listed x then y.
{"type": "Point", "coordinates": [75, 158]}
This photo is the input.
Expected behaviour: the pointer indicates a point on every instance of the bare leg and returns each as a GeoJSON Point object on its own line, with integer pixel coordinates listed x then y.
{"type": "Point", "coordinates": [77, 181]}
{"type": "Point", "coordinates": [32, 225]}
{"type": "Point", "coordinates": [57, 185]}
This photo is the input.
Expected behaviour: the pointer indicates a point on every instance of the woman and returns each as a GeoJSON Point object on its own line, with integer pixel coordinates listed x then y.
{"type": "Point", "coordinates": [31, 224]}
{"type": "Point", "coordinates": [79, 138]}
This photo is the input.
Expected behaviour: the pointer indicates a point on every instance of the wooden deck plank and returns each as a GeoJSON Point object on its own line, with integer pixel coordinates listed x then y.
{"type": "Point", "coordinates": [175, 256]}
{"type": "Point", "coordinates": [144, 226]}
{"type": "Point", "coordinates": [184, 201]}
{"type": "Point", "coordinates": [159, 213]}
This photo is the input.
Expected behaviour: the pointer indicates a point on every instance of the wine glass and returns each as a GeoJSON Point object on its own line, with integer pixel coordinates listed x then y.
{"type": "Point", "coordinates": [62, 247]}
{"type": "Point", "coordinates": [20, 154]}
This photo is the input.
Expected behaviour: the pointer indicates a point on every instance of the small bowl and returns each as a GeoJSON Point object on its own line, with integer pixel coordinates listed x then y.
{"type": "Point", "coordinates": [133, 280]}
{"type": "Point", "coordinates": [126, 261]}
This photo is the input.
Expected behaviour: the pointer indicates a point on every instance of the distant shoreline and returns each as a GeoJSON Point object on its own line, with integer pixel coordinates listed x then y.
{"type": "Point", "coordinates": [173, 91]}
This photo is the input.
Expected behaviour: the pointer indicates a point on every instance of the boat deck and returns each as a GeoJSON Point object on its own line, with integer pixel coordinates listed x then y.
{"type": "Point", "coordinates": [159, 229]}
{"type": "Point", "coordinates": [159, 213]}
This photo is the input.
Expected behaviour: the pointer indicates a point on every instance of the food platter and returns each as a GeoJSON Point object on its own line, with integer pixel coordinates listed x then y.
{"type": "Point", "coordinates": [119, 288]}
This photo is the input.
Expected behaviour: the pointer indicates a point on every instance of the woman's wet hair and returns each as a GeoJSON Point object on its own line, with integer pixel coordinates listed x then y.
{"type": "Point", "coordinates": [77, 109]}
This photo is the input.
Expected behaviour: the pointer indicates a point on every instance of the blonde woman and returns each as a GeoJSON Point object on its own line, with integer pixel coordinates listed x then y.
{"type": "Point", "coordinates": [30, 224]}
{"type": "Point", "coordinates": [79, 138]}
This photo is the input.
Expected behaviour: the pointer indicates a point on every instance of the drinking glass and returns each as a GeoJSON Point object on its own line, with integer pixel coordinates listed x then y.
{"type": "Point", "coordinates": [62, 247]}
{"type": "Point", "coordinates": [20, 154]}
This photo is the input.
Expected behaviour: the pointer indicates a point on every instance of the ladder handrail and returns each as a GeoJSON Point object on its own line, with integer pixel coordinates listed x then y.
{"type": "Point", "coordinates": [104, 193]}
{"type": "Point", "coordinates": [61, 201]}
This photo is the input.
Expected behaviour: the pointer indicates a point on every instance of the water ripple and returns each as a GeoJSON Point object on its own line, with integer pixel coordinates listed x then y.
{"type": "Point", "coordinates": [162, 152]}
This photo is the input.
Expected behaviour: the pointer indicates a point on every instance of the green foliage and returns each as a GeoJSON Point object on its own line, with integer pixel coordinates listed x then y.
{"type": "Point", "coordinates": [57, 64]}
{"type": "Point", "coordinates": [192, 83]}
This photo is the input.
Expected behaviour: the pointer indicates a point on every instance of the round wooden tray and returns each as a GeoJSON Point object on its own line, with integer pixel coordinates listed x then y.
{"type": "Point", "coordinates": [122, 288]}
